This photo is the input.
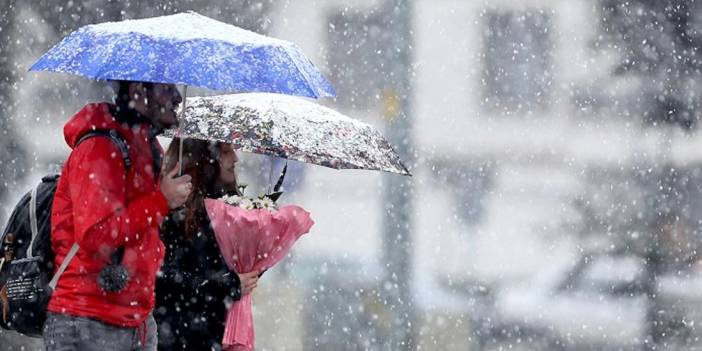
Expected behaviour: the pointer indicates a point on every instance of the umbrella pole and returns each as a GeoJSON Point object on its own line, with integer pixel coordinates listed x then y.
{"type": "Point", "coordinates": [182, 118]}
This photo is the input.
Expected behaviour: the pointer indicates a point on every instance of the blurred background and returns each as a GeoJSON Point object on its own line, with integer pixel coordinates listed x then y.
{"type": "Point", "coordinates": [555, 203]}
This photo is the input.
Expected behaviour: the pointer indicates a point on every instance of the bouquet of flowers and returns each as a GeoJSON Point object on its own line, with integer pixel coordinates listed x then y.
{"type": "Point", "coordinates": [248, 203]}
{"type": "Point", "coordinates": [253, 234]}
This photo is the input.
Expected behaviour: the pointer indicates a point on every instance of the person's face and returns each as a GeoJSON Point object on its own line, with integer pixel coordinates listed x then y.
{"type": "Point", "coordinates": [227, 165]}
{"type": "Point", "coordinates": [159, 103]}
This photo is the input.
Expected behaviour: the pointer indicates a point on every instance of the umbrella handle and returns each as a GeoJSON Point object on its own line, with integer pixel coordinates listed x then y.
{"type": "Point", "coordinates": [182, 117]}
{"type": "Point", "coordinates": [278, 184]}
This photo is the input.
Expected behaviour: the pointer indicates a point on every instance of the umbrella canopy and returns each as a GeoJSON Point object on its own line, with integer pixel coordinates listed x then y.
{"type": "Point", "coordinates": [291, 128]}
{"type": "Point", "coordinates": [190, 49]}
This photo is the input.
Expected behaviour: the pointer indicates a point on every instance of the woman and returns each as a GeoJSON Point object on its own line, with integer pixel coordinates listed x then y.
{"type": "Point", "coordinates": [195, 284]}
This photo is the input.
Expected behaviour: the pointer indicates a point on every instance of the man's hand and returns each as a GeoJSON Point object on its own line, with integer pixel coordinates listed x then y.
{"type": "Point", "coordinates": [248, 282]}
{"type": "Point", "coordinates": [176, 189]}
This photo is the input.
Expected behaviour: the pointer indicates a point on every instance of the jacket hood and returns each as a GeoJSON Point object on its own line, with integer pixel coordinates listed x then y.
{"type": "Point", "coordinates": [89, 118]}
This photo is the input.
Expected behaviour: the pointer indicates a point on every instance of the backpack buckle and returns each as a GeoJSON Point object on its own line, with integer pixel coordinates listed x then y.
{"type": "Point", "coordinates": [8, 247]}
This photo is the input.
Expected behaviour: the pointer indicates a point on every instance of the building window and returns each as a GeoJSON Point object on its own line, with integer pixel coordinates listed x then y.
{"type": "Point", "coordinates": [517, 73]}
{"type": "Point", "coordinates": [469, 181]}
{"type": "Point", "coordinates": [356, 57]}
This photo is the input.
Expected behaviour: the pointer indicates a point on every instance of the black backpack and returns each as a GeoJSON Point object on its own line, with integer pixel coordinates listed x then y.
{"type": "Point", "coordinates": [26, 257]}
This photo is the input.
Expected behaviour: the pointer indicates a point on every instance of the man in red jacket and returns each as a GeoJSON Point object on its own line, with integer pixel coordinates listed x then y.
{"type": "Point", "coordinates": [102, 204]}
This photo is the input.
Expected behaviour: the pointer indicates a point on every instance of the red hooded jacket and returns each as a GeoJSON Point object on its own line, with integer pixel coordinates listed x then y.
{"type": "Point", "coordinates": [97, 208]}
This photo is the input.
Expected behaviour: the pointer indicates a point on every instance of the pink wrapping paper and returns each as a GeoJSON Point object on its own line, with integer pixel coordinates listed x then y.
{"type": "Point", "coordinates": [252, 240]}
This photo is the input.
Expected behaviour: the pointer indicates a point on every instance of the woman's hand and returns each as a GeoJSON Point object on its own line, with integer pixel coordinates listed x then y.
{"type": "Point", "coordinates": [248, 282]}
{"type": "Point", "coordinates": [176, 189]}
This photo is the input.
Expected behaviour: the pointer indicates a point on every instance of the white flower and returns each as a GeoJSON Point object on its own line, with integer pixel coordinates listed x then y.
{"type": "Point", "coordinates": [267, 204]}
{"type": "Point", "coordinates": [232, 200]}
{"type": "Point", "coordinates": [246, 203]}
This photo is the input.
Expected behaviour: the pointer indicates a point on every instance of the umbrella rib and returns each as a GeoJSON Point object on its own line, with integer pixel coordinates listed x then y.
{"type": "Point", "coordinates": [313, 85]}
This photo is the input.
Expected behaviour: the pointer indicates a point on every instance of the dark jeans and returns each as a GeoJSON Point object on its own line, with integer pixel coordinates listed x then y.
{"type": "Point", "coordinates": [68, 333]}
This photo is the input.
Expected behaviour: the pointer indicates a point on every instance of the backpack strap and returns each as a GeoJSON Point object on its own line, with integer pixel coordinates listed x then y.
{"type": "Point", "coordinates": [64, 265]}
{"type": "Point", "coordinates": [124, 150]}
{"type": "Point", "coordinates": [115, 137]}
{"type": "Point", "coordinates": [119, 142]}
{"type": "Point", "coordinates": [32, 219]}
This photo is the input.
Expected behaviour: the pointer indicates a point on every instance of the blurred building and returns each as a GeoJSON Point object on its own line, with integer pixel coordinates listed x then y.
{"type": "Point", "coordinates": [521, 134]}
{"type": "Point", "coordinates": [517, 118]}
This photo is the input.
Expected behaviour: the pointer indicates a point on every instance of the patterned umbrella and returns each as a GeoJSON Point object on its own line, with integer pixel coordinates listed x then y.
{"type": "Point", "coordinates": [291, 128]}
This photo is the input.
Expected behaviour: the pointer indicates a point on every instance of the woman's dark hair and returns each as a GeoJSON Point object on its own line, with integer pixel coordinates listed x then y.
{"type": "Point", "coordinates": [200, 161]}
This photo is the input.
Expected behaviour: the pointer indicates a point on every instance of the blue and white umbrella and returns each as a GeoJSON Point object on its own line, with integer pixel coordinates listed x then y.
{"type": "Point", "coordinates": [189, 49]}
